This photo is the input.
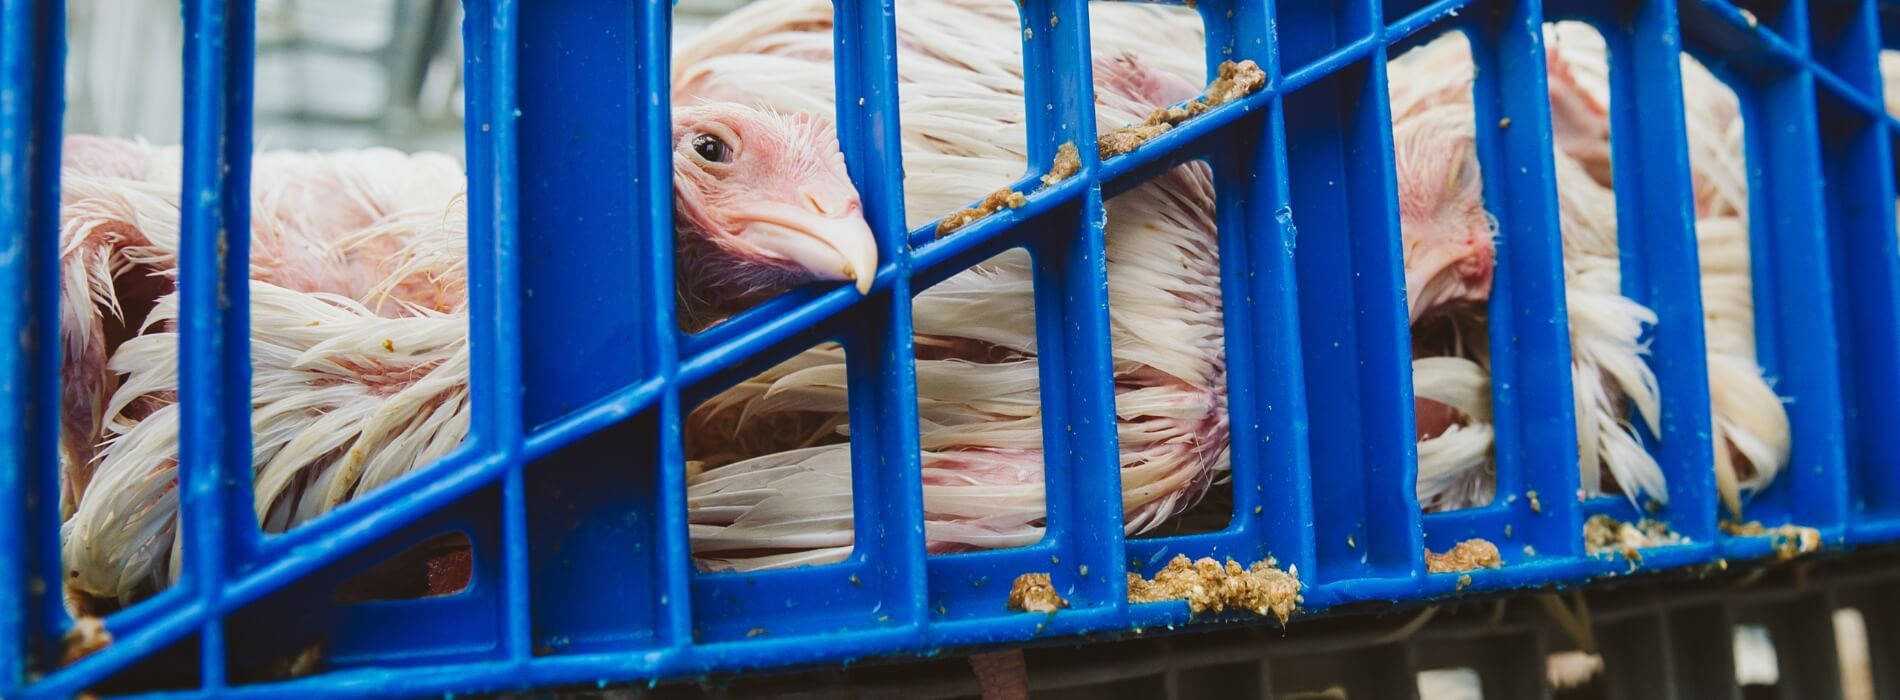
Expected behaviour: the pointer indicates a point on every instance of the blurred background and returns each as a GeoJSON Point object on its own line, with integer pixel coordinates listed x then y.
{"type": "Point", "coordinates": [330, 73]}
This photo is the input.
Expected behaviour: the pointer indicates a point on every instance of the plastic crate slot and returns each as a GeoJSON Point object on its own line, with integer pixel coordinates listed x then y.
{"type": "Point", "coordinates": [1172, 404]}
{"type": "Point", "coordinates": [774, 451]}
{"type": "Point", "coordinates": [404, 331]}
{"type": "Point", "coordinates": [979, 395]}
{"type": "Point", "coordinates": [1249, 517]}
{"type": "Point", "coordinates": [1447, 241]}
{"type": "Point", "coordinates": [776, 443]}
{"type": "Point", "coordinates": [1659, 267]}
{"type": "Point", "coordinates": [1792, 290]}
{"type": "Point", "coordinates": [1079, 509]}
{"type": "Point", "coordinates": [971, 165]}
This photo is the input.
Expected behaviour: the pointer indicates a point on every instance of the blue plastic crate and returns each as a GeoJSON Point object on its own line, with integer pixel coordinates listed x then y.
{"type": "Point", "coordinates": [570, 484]}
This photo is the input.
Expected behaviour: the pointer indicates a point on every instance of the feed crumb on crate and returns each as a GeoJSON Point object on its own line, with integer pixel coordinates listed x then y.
{"type": "Point", "coordinates": [87, 636]}
{"type": "Point", "coordinates": [1469, 555]}
{"type": "Point", "coordinates": [1035, 593]}
{"type": "Point", "coordinates": [1236, 80]}
{"type": "Point", "coordinates": [1000, 199]}
{"type": "Point", "coordinates": [1790, 541]}
{"type": "Point", "coordinates": [1209, 586]}
{"type": "Point", "coordinates": [1602, 533]}
{"type": "Point", "coordinates": [1128, 138]}
{"type": "Point", "coordinates": [1068, 162]}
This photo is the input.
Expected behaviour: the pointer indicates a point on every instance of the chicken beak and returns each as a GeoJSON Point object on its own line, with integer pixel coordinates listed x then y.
{"type": "Point", "coordinates": [826, 237]}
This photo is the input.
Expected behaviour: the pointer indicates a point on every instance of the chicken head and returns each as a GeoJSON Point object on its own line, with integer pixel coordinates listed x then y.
{"type": "Point", "coordinates": [763, 204]}
{"type": "Point", "coordinates": [1447, 233]}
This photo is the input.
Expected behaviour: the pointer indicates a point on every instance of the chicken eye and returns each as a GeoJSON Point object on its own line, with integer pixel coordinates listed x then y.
{"type": "Point", "coordinates": [711, 148]}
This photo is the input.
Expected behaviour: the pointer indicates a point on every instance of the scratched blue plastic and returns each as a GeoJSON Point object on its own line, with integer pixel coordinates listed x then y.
{"type": "Point", "coordinates": [570, 484]}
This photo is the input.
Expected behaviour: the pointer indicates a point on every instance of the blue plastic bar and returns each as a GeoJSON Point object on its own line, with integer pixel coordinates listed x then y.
{"type": "Point", "coordinates": [218, 524]}
{"type": "Point", "coordinates": [495, 327]}
{"type": "Point", "coordinates": [886, 473]}
{"type": "Point", "coordinates": [655, 190]}
{"type": "Point", "coordinates": [1071, 279]}
{"type": "Point", "coordinates": [1355, 346]}
{"type": "Point", "coordinates": [32, 53]}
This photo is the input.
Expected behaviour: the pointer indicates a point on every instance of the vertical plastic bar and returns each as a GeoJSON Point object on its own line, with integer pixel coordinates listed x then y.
{"type": "Point", "coordinates": [32, 64]}
{"type": "Point", "coordinates": [654, 192]}
{"type": "Point", "coordinates": [494, 326]}
{"type": "Point", "coordinates": [1072, 271]}
{"type": "Point", "coordinates": [1341, 214]}
{"type": "Point", "coordinates": [886, 475]}
{"type": "Point", "coordinates": [1058, 81]}
{"type": "Point", "coordinates": [213, 277]}
{"type": "Point", "coordinates": [1530, 340]}
{"type": "Point", "coordinates": [587, 329]}
{"type": "Point", "coordinates": [1845, 39]}
{"type": "Point", "coordinates": [1266, 399]}
{"type": "Point", "coordinates": [1700, 637]}
{"type": "Point", "coordinates": [574, 350]}
{"type": "Point", "coordinates": [1793, 27]}
{"type": "Point", "coordinates": [1657, 237]}
{"type": "Point", "coordinates": [1240, 30]}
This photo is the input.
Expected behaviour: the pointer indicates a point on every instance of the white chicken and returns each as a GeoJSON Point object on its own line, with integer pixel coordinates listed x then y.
{"type": "Point", "coordinates": [976, 370]}
{"type": "Point", "coordinates": [359, 333]}
{"type": "Point", "coordinates": [961, 88]}
{"type": "Point", "coordinates": [1750, 424]}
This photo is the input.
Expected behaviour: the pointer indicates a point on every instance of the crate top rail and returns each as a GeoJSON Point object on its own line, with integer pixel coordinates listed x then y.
{"type": "Point", "coordinates": [570, 485]}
